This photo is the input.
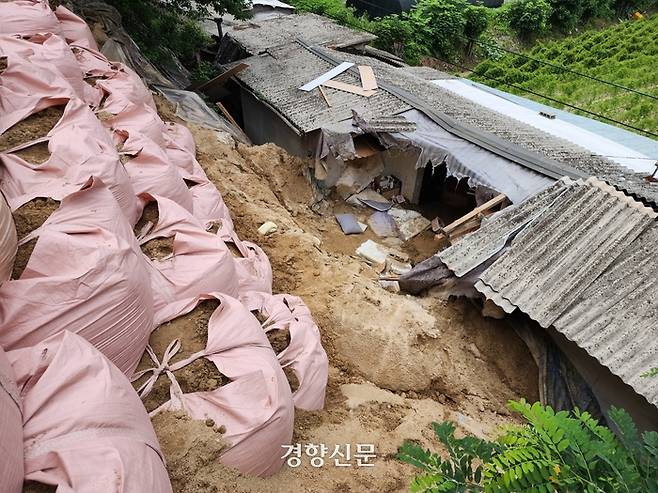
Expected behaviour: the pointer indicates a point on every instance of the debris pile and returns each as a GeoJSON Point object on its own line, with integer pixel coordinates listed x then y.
{"type": "Point", "coordinates": [77, 321]}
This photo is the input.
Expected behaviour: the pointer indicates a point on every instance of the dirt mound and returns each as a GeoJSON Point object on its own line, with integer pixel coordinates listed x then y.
{"type": "Point", "coordinates": [397, 362]}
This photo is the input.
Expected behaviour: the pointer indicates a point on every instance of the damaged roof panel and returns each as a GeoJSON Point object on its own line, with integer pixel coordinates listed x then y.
{"type": "Point", "coordinates": [275, 78]}
{"type": "Point", "coordinates": [564, 249]}
{"type": "Point", "coordinates": [582, 261]}
{"type": "Point", "coordinates": [315, 29]}
{"type": "Point", "coordinates": [508, 129]}
{"type": "Point", "coordinates": [616, 319]}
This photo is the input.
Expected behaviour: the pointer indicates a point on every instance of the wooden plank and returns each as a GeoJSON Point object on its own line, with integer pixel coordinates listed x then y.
{"type": "Point", "coordinates": [221, 79]}
{"type": "Point", "coordinates": [228, 116]}
{"type": "Point", "coordinates": [368, 80]}
{"type": "Point", "coordinates": [475, 212]}
{"type": "Point", "coordinates": [334, 72]}
{"type": "Point", "coordinates": [324, 96]}
{"type": "Point", "coordinates": [341, 86]}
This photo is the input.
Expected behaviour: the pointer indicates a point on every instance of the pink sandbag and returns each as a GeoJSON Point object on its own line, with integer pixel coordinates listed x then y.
{"type": "Point", "coordinates": [11, 430]}
{"type": "Point", "coordinates": [201, 263]}
{"type": "Point", "coordinates": [26, 17]}
{"type": "Point", "coordinates": [8, 241]}
{"type": "Point", "coordinates": [123, 88]}
{"type": "Point", "coordinates": [75, 30]}
{"type": "Point", "coordinates": [253, 267]}
{"type": "Point", "coordinates": [70, 166]}
{"type": "Point", "coordinates": [86, 275]}
{"type": "Point", "coordinates": [49, 53]}
{"type": "Point", "coordinates": [92, 62]}
{"type": "Point", "coordinates": [26, 89]}
{"type": "Point", "coordinates": [305, 354]}
{"type": "Point", "coordinates": [256, 406]}
{"type": "Point", "coordinates": [85, 429]}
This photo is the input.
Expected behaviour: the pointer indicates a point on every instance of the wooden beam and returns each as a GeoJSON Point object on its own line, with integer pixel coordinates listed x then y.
{"type": "Point", "coordinates": [496, 201]}
{"type": "Point", "coordinates": [368, 80]}
{"type": "Point", "coordinates": [221, 79]}
{"type": "Point", "coordinates": [324, 96]}
{"type": "Point", "coordinates": [228, 116]}
{"type": "Point", "coordinates": [341, 86]}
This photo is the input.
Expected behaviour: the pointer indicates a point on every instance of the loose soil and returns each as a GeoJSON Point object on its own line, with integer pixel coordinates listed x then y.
{"type": "Point", "coordinates": [32, 128]}
{"type": "Point", "coordinates": [397, 362]}
{"type": "Point", "coordinates": [157, 248]}
{"type": "Point", "coordinates": [27, 218]}
{"type": "Point", "coordinates": [192, 331]}
{"type": "Point", "coordinates": [192, 449]}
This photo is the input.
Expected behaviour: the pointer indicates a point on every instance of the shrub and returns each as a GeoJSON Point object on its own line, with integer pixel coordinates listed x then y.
{"type": "Point", "coordinates": [169, 29]}
{"type": "Point", "coordinates": [552, 452]}
{"type": "Point", "coordinates": [336, 10]}
{"type": "Point", "coordinates": [399, 35]}
{"type": "Point", "coordinates": [445, 23]}
{"type": "Point", "coordinates": [529, 18]}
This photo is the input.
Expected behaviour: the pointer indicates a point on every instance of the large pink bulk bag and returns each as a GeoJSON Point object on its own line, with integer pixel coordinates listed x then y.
{"type": "Point", "coordinates": [256, 406]}
{"type": "Point", "coordinates": [86, 275]}
{"type": "Point", "coordinates": [27, 17]}
{"type": "Point", "coordinates": [76, 31]}
{"type": "Point", "coordinates": [8, 240]}
{"type": "Point", "coordinates": [11, 430]}
{"type": "Point", "coordinates": [85, 429]}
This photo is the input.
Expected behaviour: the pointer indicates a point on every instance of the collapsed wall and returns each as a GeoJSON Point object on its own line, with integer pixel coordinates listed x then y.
{"type": "Point", "coordinates": [109, 156]}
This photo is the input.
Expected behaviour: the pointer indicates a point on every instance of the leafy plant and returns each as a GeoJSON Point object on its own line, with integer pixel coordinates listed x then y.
{"type": "Point", "coordinates": [552, 452]}
{"type": "Point", "coordinates": [462, 472]}
{"type": "Point", "coordinates": [529, 17]}
{"type": "Point", "coordinates": [168, 29]}
{"type": "Point", "coordinates": [336, 10]}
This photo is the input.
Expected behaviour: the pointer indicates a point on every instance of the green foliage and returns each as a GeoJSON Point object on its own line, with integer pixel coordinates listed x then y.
{"type": "Point", "coordinates": [400, 35]}
{"type": "Point", "coordinates": [168, 29]}
{"type": "Point", "coordinates": [432, 27]}
{"type": "Point", "coordinates": [463, 472]}
{"type": "Point", "coordinates": [336, 10]}
{"type": "Point", "coordinates": [568, 14]}
{"type": "Point", "coordinates": [529, 17]}
{"type": "Point", "coordinates": [626, 53]}
{"type": "Point", "coordinates": [552, 452]}
{"type": "Point", "coordinates": [204, 71]}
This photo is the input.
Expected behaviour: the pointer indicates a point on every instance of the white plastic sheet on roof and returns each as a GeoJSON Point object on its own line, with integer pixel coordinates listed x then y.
{"type": "Point", "coordinates": [464, 159]}
{"type": "Point", "coordinates": [598, 145]}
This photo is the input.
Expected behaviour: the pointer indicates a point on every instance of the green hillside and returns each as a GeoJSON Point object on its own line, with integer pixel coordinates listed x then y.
{"type": "Point", "coordinates": [626, 54]}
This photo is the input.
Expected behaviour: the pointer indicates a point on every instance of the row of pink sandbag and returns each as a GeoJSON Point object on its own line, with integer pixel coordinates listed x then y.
{"type": "Point", "coordinates": [87, 274]}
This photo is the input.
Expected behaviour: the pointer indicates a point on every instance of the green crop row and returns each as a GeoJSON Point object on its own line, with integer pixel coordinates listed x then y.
{"type": "Point", "coordinates": [626, 54]}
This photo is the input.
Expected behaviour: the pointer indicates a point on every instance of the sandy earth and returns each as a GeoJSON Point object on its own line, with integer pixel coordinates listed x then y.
{"type": "Point", "coordinates": [397, 362]}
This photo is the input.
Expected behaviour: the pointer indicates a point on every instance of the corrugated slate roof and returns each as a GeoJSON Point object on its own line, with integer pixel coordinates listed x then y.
{"type": "Point", "coordinates": [275, 78]}
{"type": "Point", "coordinates": [271, 33]}
{"type": "Point", "coordinates": [581, 260]}
{"type": "Point", "coordinates": [508, 129]}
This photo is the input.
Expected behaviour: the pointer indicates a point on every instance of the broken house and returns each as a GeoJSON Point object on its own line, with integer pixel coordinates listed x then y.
{"type": "Point", "coordinates": [575, 268]}
{"type": "Point", "coordinates": [569, 263]}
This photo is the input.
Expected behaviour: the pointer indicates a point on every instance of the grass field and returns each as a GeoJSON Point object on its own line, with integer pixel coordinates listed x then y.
{"type": "Point", "coordinates": [626, 54]}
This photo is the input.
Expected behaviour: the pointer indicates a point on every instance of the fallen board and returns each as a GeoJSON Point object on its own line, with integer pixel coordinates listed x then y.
{"type": "Point", "coordinates": [334, 72]}
{"type": "Point", "coordinates": [221, 79]}
{"type": "Point", "coordinates": [342, 86]}
{"type": "Point", "coordinates": [368, 80]}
